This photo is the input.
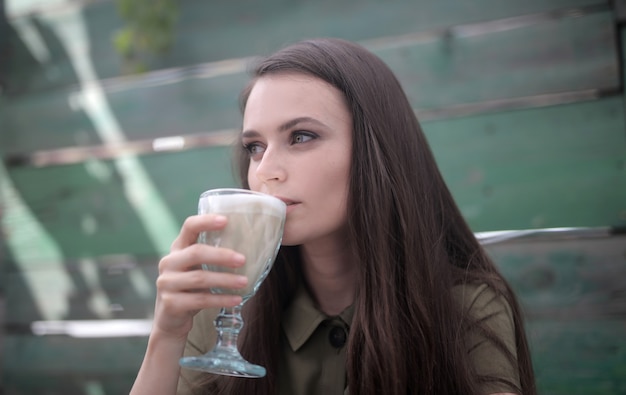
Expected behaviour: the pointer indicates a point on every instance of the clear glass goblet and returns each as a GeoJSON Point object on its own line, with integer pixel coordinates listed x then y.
{"type": "Point", "coordinates": [254, 229]}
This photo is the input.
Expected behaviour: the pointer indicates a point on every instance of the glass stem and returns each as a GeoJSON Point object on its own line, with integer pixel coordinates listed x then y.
{"type": "Point", "coordinates": [228, 324]}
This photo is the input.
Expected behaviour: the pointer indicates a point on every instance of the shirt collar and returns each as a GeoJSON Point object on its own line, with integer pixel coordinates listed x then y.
{"type": "Point", "coordinates": [301, 318]}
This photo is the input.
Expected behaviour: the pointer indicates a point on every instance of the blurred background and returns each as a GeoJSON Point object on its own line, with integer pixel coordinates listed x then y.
{"type": "Point", "coordinates": [116, 115]}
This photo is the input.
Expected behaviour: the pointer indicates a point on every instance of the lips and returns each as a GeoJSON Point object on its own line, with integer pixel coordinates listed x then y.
{"type": "Point", "coordinates": [287, 201]}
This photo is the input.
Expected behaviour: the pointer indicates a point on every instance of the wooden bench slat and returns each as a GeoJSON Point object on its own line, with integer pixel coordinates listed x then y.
{"type": "Point", "coordinates": [575, 54]}
{"type": "Point", "coordinates": [218, 30]}
{"type": "Point", "coordinates": [546, 167]}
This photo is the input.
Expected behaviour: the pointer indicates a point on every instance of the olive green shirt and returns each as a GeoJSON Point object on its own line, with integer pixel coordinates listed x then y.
{"type": "Point", "coordinates": [314, 345]}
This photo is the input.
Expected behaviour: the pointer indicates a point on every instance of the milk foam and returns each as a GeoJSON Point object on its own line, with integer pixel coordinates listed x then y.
{"type": "Point", "coordinates": [242, 203]}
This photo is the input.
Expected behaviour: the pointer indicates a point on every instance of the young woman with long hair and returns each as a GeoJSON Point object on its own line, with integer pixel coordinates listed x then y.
{"type": "Point", "coordinates": [380, 286]}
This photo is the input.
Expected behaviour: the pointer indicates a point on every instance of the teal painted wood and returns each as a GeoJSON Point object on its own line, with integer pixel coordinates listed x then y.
{"type": "Point", "coordinates": [60, 365]}
{"type": "Point", "coordinates": [51, 356]}
{"type": "Point", "coordinates": [44, 120]}
{"type": "Point", "coordinates": [569, 55]}
{"type": "Point", "coordinates": [549, 167]}
{"type": "Point", "coordinates": [209, 31]}
{"type": "Point", "coordinates": [120, 287]}
{"type": "Point", "coordinates": [579, 357]}
{"type": "Point", "coordinates": [102, 384]}
{"type": "Point", "coordinates": [574, 297]}
{"type": "Point", "coordinates": [182, 177]}
{"type": "Point", "coordinates": [572, 54]}
{"type": "Point", "coordinates": [86, 209]}
{"type": "Point", "coordinates": [190, 106]}
{"type": "Point", "coordinates": [569, 279]}
{"type": "Point", "coordinates": [85, 215]}
{"type": "Point", "coordinates": [257, 28]}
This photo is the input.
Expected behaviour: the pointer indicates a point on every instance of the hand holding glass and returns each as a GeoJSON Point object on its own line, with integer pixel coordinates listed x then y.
{"type": "Point", "coordinates": [254, 229]}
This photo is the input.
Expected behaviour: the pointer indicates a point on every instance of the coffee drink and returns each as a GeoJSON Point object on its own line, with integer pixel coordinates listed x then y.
{"type": "Point", "coordinates": [254, 229]}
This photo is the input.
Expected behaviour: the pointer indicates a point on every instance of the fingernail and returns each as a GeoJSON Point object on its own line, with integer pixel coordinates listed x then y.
{"type": "Point", "coordinates": [220, 219]}
{"type": "Point", "coordinates": [242, 280]}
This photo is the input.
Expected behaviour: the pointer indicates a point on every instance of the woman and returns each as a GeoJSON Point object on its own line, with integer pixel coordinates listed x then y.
{"type": "Point", "coordinates": [380, 286]}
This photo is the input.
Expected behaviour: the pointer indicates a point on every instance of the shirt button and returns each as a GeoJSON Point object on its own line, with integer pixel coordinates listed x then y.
{"type": "Point", "coordinates": [337, 337]}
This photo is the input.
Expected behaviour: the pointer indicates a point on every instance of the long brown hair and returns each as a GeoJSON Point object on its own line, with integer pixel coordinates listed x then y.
{"type": "Point", "coordinates": [410, 239]}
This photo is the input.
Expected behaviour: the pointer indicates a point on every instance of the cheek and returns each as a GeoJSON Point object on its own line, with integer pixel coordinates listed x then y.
{"type": "Point", "coordinates": [336, 180]}
{"type": "Point", "coordinates": [338, 173]}
{"type": "Point", "coordinates": [252, 180]}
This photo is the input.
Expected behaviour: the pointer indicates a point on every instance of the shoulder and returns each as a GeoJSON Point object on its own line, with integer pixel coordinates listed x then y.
{"type": "Point", "coordinates": [489, 337]}
{"type": "Point", "coordinates": [485, 309]}
{"type": "Point", "coordinates": [481, 301]}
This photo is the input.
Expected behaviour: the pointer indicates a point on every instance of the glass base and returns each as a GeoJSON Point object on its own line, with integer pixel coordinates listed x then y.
{"type": "Point", "coordinates": [224, 364]}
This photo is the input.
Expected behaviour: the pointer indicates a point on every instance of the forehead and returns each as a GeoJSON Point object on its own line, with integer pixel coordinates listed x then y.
{"type": "Point", "coordinates": [294, 95]}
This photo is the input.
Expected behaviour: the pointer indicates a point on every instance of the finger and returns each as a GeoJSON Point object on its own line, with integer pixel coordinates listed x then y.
{"type": "Point", "coordinates": [187, 303]}
{"type": "Point", "coordinates": [195, 224]}
{"type": "Point", "coordinates": [196, 254]}
{"type": "Point", "coordinates": [199, 280]}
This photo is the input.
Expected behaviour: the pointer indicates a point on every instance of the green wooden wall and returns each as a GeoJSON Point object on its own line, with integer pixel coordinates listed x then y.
{"type": "Point", "coordinates": [521, 100]}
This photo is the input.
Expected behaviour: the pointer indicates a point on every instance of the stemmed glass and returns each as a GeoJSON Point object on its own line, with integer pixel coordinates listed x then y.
{"type": "Point", "coordinates": [254, 229]}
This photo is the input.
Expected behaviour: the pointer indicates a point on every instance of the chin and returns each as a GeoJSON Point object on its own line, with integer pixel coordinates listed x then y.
{"type": "Point", "coordinates": [290, 241]}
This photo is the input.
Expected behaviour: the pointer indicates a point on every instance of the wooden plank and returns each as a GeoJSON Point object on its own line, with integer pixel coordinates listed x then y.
{"type": "Point", "coordinates": [567, 280]}
{"type": "Point", "coordinates": [85, 215]}
{"type": "Point", "coordinates": [110, 287]}
{"type": "Point", "coordinates": [254, 28]}
{"type": "Point", "coordinates": [574, 54]}
{"type": "Point", "coordinates": [70, 383]}
{"type": "Point", "coordinates": [51, 356]}
{"type": "Point", "coordinates": [568, 55]}
{"type": "Point", "coordinates": [547, 167]}
{"type": "Point", "coordinates": [43, 120]}
{"type": "Point", "coordinates": [251, 28]}
{"type": "Point", "coordinates": [86, 208]}
{"type": "Point", "coordinates": [579, 357]}
{"type": "Point", "coordinates": [190, 106]}
{"type": "Point", "coordinates": [574, 297]}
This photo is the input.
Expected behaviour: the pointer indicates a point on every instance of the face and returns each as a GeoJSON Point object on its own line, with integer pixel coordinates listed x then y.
{"type": "Point", "coordinates": [298, 132]}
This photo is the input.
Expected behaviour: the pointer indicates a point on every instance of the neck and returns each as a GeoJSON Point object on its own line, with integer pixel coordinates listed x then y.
{"type": "Point", "coordinates": [330, 273]}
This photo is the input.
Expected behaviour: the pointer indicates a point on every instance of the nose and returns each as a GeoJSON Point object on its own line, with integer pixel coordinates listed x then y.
{"type": "Point", "coordinates": [270, 168]}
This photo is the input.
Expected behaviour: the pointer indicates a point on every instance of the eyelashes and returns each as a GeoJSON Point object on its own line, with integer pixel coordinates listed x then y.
{"type": "Point", "coordinates": [297, 137]}
{"type": "Point", "coordinates": [302, 136]}
{"type": "Point", "coordinates": [252, 149]}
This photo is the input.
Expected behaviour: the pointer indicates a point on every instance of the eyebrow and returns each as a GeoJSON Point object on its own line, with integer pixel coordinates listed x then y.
{"type": "Point", "coordinates": [287, 125]}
